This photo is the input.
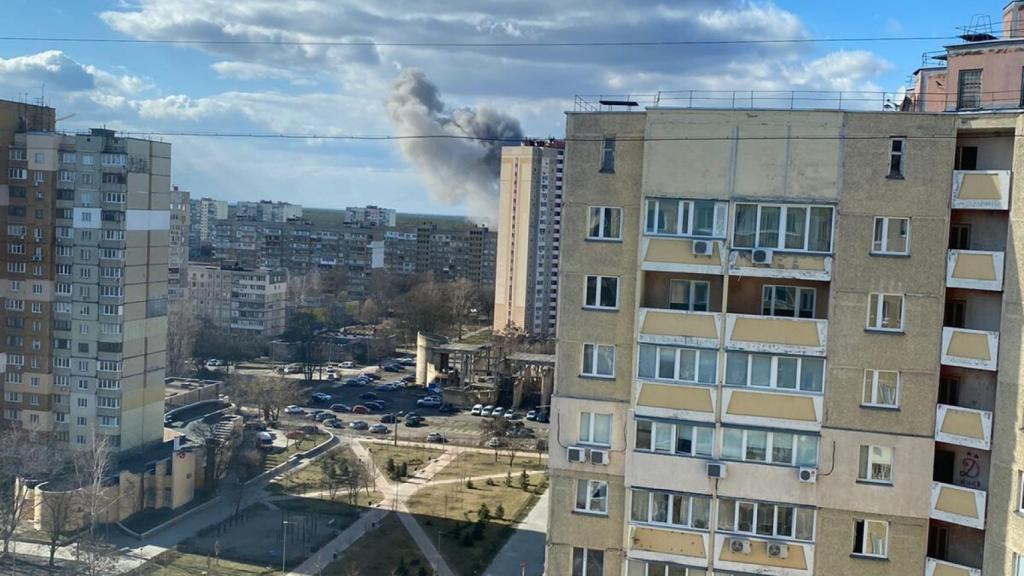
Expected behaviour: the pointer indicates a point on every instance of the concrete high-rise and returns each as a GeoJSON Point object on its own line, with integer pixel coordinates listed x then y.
{"type": "Point", "coordinates": [529, 226]}
{"type": "Point", "coordinates": [178, 245]}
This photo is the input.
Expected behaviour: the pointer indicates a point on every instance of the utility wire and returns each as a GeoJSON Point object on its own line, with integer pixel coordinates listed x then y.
{"type": "Point", "coordinates": [519, 44]}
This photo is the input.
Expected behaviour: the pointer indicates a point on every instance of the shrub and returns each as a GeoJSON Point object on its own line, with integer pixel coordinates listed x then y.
{"type": "Point", "coordinates": [499, 512]}
{"type": "Point", "coordinates": [524, 480]}
{"type": "Point", "coordinates": [483, 514]}
{"type": "Point", "coordinates": [469, 483]}
{"type": "Point", "coordinates": [490, 482]}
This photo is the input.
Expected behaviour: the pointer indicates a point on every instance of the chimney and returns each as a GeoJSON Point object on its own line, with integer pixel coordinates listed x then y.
{"type": "Point", "coordinates": [1013, 19]}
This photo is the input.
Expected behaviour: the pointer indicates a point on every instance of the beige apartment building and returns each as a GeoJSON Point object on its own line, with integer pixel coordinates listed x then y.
{"type": "Point", "coordinates": [245, 301]}
{"type": "Point", "coordinates": [529, 234]}
{"type": "Point", "coordinates": [801, 352]}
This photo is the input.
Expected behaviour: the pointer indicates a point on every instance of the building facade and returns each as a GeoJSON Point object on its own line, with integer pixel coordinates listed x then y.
{"type": "Point", "coordinates": [529, 225]}
{"type": "Point", "coordinates": [178, 244]}
{"type": "Point", "coordinates": [243, 300]}
{"type": "Point", "coordinates": [267, 211]}
{"type": "Point", "coordinates": [371, 216]}
{"type": "Point", "coordinates": [85, 285]}
{"type": "Point", "coordinates": [800, 353]}
{"type": "Point", "coordinates": [203, 217]}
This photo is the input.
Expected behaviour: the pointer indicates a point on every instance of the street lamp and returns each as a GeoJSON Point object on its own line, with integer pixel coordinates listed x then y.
{"type": "Point", "coordinates": [284, 544]}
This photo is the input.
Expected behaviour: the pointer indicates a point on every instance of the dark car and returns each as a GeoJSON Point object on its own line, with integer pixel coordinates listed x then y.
{"type": "Point", "coordinates": [335, 423]}
{"type": "Point", "coordinates": [340, 408]}
{"type": "Point", "coordinates": [353, 382]}
{"type": "Point", "coordinates": [543, 418]}
{"type": "Point", "coordinates": [413, 421]}
{"type": "Point", "coordinates": [410, 378]}
{"type": "Point", "coordinates": [367, 396]}
{"type": "Point", "coordinates": [388, 419]}
{"type": "Point", "coordinates": [371, 376]}
{"type": "Point", "coordinates": [393, 368]}
{"type": "Point", "coordinates": [376, 405]}
{"type": "Point", "coordinates": [447, 408]}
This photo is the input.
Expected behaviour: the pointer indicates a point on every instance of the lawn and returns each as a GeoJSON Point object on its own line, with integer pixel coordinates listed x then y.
{"type": "Point", "coordinates": [471, 464]}
{"type": "Point", "coordinates": [415, 457]}
{"type": "Point", "coordinates": [379, 552]}
{"type": "Point", "coordinates": [294, 447]}
{"type": "Point", "coordinates": [181, 564]}
{"type": "Point", "coordinates": [452, 510]}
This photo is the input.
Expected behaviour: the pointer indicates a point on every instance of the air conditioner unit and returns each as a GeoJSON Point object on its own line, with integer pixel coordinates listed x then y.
{"type": "Point", "coordinates": [577, 454]}
{"type": "Point", "coordinates": [703, 248]}
{"type": "Point", "coordinates": [808, 475]}
{"type": "Point", "coordinates": [776, 550]}
{"type": "Point", "coordinates": [761, 256]}
{"type": "Point", "coordinates": [599, 457]}
{"type": "Point", "coordinates": [715, 469]}
{"type": "Point", "coordinates": [739, 546]}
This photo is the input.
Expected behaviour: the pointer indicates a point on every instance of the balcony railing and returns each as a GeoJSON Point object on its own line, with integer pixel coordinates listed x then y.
{"type": "Point", "coordinates": [977, 349]}
{"type": "Point", "coordinates": [666, 254]}
{"type": "Point", "coordinates": [759, 408]}
{"type": "Point", "coordinates": [797, 559]}
{"type": "Point", "coordinates": [646, 540]}
{"type": "Point", "coordinates": [741, 100]}
{"type": "Point", "coordinates": [958, 505]}
{"type": "Point", "coordinates": [974, 269]}
{"type": "Point", "coordinates": [792, 265]}
{"type": "Point", "coordinates": [933, 567]}
{"type": "Point", "coordinates": [680, 328]}
{"type": "Point", "coordinates": [963, 426]}
{"type": "Point", "coordinates": [981, 189]}
{"type": "Point", "coordinates": [772, 335]}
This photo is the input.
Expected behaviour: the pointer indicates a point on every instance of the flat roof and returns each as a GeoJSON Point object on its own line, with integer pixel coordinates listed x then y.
{"type": "Point", "coordinates": [459, 347]}
{"type": "Point", "coordinates": [532, 358]}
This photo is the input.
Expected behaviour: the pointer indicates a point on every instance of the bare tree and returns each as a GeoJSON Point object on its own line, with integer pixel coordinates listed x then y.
{"type": "Point", "coordinates": [20, 459]}
{"type": "Point", "coordinates": [425, 308]}
{"type": "Point", "coordinates": [61, 508]}
{"type": "Point", "coordinates": [269, 395]}
{"type": "Point", "coordinates": [462, 295]}
{"type": "Point", "coordinates": [93, 466]}
{"type": "Point", "coordinates": [246, 463]}
{"type": "Point", "coordinates": [182, 326]}
{"type": "Point", "coordinates": [219, 449]}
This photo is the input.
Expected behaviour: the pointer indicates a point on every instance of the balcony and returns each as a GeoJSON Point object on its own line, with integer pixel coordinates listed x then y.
{"type": "Point", "coordinates": [756, 408]}
{"type": "Point", "coordinates": [933, 567]}
{"type": "Point", "coordinates": [981, 189]}
{"type": "Point", "coordinates": [773, 335]}
{"type": "Point", "coordinates": [958, 505]}
{"type": "Point", "coordinates": [686, 402]}
{"type": "Point", "coordinates": [798, 560]}
{"type": "Point", "coordinates": [797, 266]}
{"type": "Point", "coordinates": [649, 543]}
{"type": "Point", "coordinates": [975, 270]}
{"type": "Point", "coordinates": [678, 255]}
{"type": "Point", "coordinates": [963, 426]}
{"type": "Point", "coordinates": [976, 349]}
{"type": "Point", "coordinates": [680, 328]}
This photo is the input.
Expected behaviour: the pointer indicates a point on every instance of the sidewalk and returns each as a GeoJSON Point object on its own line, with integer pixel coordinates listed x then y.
{"type": "Point", "coordinates": [324, 556]}
{"type": "Point", "coordinates": [525, 546]}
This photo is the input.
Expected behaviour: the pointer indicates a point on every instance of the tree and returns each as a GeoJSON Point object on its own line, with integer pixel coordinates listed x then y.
{"type": "Point", "coordinates": [182, 326]}
{"type": "Point", "coordinates": [220, 449]}
{"type": "Point", "coordinates": [304, 332]}
{"type": "Point", "coordinates": [425, 308]}
{"type": "Point", "coordinates": [92, 467]}
{"type": "Point", "coordinates": [462, 296]}
{"type": "Point", "coordinates": [246, 463]}
{"type": "Point", "coordinates": [495, 428]}
{"type": "Point", "coordinates": [269, 395]}
{"type": "Point", "coordinates": [59, 506]}
{"type": "Point", "coordinates": [369, 312]}
{"type": "Point", "coordinates": [20, 459]}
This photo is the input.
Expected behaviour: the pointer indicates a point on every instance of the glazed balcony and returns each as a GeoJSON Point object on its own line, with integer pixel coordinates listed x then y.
{"type": "Point", "coordinates": [978, 349]}
{"type": "Point", "coordinates": [933, 567]}
{"type": "Point", "coordinates": [776, 335]}
{"type": "Point", "coordinates": [963, 426]}
{"type": "Point", "coordinates": [981, 189]}
{"type": "Point", "coordinates": [975, 270]}
{"type": "Point", "coordinates": [958, 505]}
{"type": "Point", "coordinates": [664, 254]}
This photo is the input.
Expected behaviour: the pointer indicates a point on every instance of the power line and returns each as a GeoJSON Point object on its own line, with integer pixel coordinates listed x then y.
{"type": "Point", "coordinates": [518, 44]}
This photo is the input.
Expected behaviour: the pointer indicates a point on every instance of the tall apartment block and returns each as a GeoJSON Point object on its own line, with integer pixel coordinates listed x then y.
{"type": "Point", "coordinates": [267, 211]}
{"type": "Point", "coordinates": [178, 245]}
{"type": "Point", "coordinates": [529, 225]}
{"type": "Point", "coordinates": [371, 216]}
{"type": "Point", "coordinates": [85, 284]}
{"type": "Point", "coordinates": [800, 353]}
{"type": "Point", "coordinates": [203, 217]}
{"type": "Point", "coordinates": [245, 301]}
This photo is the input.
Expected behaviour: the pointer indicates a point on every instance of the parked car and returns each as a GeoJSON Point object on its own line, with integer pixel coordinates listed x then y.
{"type": "Point", "coordinates": [256, 425]}
{"type": "Point", "coordinates": [340, 408]}
{"type": "Point", "coordinates": [265, 440]}
{"type": "Point", "coordinates": [354, 382]}
{"type": "Point", "coordinates": [407, 361]}
{"type": "Point", "coordinates": [390, 386]}
{"type": "Point", "coordinates": [293, 409]}
{"type": "Point", "coordinates": [429, 402]}
{"type": "Point", "coordinates": [334, 423]}
{"type": "Point", "coordinates": [360, 409]}
{"type": "Point", "coordinates": [531, 415]}
{"type": "Point", "coordinates": [367, 396]}
{"type": "Point", "coordinates": [372, 376]}
{"type": "Point", "coordinates": [375, 405]}
{"type": "Point", "coordinates": [486, 411]}
{"type": "Point", "coordinates": [448, 408]}
{"type": "Point", "coordinates": [323, 416]}
{"type": "Point", "coordinates": [542, 417]}
{"type": "Point", "coordinates": [393, 367]}
{"type": "Point", "coordinates": [409, 378]}
{"type": "Point", "coordinates": [523, 432]}
{"type": "Point", "coordinates": [413, 420]}
{"type": "Point", "coordinates": [379, 429]}
{"type": "Point", "coordinates": [437, 438]}
{"type": "Point", "coordinates": [494, 442]}
{"type": "Point", "coordinates": [358, 425]}
{"type": "Point", "coordinates": [348, 364]}
{"type": "Point", "coordinates": [497, 411]}
{"type": "Point", "coordinates": [388, 419]}
{"type": "Point", "coordinates": [510, 414]}
{"type": "Point", "coordinates": [320, 397]}
{"type": "Point", "coordinates": [477, 410]}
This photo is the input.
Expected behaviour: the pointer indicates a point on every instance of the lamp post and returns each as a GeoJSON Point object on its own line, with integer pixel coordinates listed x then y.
{"type": "Point", "coordinates": [284, 544]}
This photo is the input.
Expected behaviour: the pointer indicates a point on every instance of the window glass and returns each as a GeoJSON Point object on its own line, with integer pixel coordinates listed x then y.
{"type": "Point", "coordinates": [659, 507]}
{"type": "Point", "coordinates": [765, 520]}
{"type": "Point", "coordinates": [681, 510]}
{"type": "Point", "coordinates": [786, 369]}
{"type": "Point", "coordinates": [688, 365]}
{"type": "Point", "coordinates": [648, 360]}
{"type": "Point", "coordinates": [807, 451]}
{"type": "Point", "coordinates": [679, 294]}
{"type": "Point", "coordinates": [812, 371]}
{"type": "Point", "coordinates": [609, 292]}
{"type": "Point", "coordinates": [784, 521]}
{"type": "Point", "coordinates": [639, 505]}
{"type": "Point", "coordinates": [703, 218]}
{"type": "Point", "coordinates": [761, 371]}
{"type": "Point", "coordinates": [782, 448]}
{"type": "Point", "coordinates": [708, 367]}
{"type": "Point", "coordinates": [667, 363]}
{"type": "Point", "coordinates": [735, 368]}
{"type": "Point", "coordinates": [746, 226]}
{"type": "Point", "coordinates": [602, 428]}
{"type": "Point", "coordinates": [726, 514]}
{"type": "Point", "coordinates": [662, 437]}
{"type": "Point", "coordinates": [820, 236]}
{"type": "Point", "coordinates": [705, 440]}
{"type": "Point", "coordinates": [768, 234]}
{"type": "Point", "coordinates": [804, 524]}
{"type": "Point", "coordinates": [700, 513]}
{"type": "Point", "coordinates": [605, 360]}
{"type": "Point", "coordinates": [757, 445]}
{"type": "Point", "coordinates": [745, 517]}
{"type": "Point", "coordinates": [668, 217]}
{"type": "Point", "coordinates": [595, 222]}
{"type": "Point", "coordinates": [796, 219]}
{"type": "Point", "coordinates": [643, 434]}
{"type": "Point", "coordinates": [612, 222]}
{"type": "Point", "coordinates": [684, 439]}
{"type": "Point", "coordinates": [732, 443]}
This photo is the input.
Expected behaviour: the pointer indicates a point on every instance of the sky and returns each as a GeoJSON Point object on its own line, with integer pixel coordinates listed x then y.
{"type": "Point", "coordinates": [344, 90]}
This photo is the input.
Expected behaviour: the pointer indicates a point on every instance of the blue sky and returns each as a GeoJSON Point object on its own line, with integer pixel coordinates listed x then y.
{"type": "Point", "coordinates": [346, 90]}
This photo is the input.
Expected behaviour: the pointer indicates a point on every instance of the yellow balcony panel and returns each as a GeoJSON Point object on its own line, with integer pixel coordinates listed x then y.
{"type": "Point", "coordinates": [933, 567]}
{"type": "Point", "coordinates": [794, 265]}
{"type": "Point", "coordinates": [679, 255]}
{"type": "Point", "coordinates": [776, 335]}
{"type": "Point", "coordinates": [981, 189]}
{"type": "Point", "coordinates": [799, 557]}
{"type": "Point", "coordinates": [975, 270]}
{"type": "Point", "coordinates": [680, 328]}
{"type": "Point", "coordinates": [676, 398]}
{"type": "Point", "coordinates": [799, 411]}
{"type": "Point", "coordinates": [963, 426]}
{"type": "Point", "coordinates": [959, 505]}
{"type": "Point", "coordinates": [970, 348]}
{"type": "Point", "coordinates": [672, 542]}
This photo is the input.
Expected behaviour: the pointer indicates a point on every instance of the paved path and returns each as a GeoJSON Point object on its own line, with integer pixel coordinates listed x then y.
{"type": "Point", "coordinates": [333, 549]}
{"type": "Point", "coordinates": [525, 546]}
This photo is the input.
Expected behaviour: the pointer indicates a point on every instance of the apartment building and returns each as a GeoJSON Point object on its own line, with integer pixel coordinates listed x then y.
{"type": "Point", "coordinates": [85, 284]}
{"type": "Point", "coordinates": [267, 211]}
{"type": "Point", "coordinates": [462, 254]}
{"type": "Point", "coordinates": [529, 225]}
{"type": "Point", "coordinates": [245, 301]}
{"type": "Point", "coordinates": [178, 244]}
{"type": "Point", "coordinates": [203, 217]}
{"type": "Point", "coordinates": [371, 216]}
{"type": "Point", "coordinates": [800, 353]}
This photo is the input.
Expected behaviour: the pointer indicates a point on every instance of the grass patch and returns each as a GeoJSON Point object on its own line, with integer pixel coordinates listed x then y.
{"type": "Point", "coordinates": [380, 551]}
{"type": "Point", "coordinates": [152, 517]}
{"type": "Point", "coordinates": [470, 464]}
{"type": "Point", "coordinates": [415, 457]}
{"type": "Point", "coordinates": [274, 459]}
{"type": "Point", "coordinates": [175, 563]}
{"type": "Point", "coordinates": [452, 510]}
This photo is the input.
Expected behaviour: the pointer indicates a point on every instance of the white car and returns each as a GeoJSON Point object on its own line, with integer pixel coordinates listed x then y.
{"type": "Point", "coordinates": [486, 410]}
{"type": "Point", "coordinates": [293, 409]}
{"type": "Point", "coordinates": [348, 364]}
{"type": "Point", "coordinates": [429, 402]}
{"type": "Point", "coordinates": [477, 410]}
{"type": "Point", "coordinates": [497, 411]}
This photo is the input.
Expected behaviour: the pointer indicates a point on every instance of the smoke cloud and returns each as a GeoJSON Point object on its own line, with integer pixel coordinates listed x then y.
{"type": "Point", "coordinates": [456, 171]}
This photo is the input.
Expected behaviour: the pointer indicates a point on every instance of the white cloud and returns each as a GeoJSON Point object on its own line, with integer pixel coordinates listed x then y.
{"type": "Point", "coordinates": [256, 71]}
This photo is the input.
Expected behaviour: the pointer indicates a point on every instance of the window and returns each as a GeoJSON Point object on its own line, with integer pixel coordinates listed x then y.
{"type": "Point", "coordinates": [691, 295]}
{"type": "Point", "coordinates": [871, 538]}
{"type": "Point", "coordinates": [17, 154]}
{"type": "Point", "coordinates": [17, 173]}
{"type": "Point", "coordinates": [87, 159]}
{"type": "Point", "coordinates": [885, 312]}
{"type": "Point", "coordinates": [955, 314]}
{"type": "Point", "coordinates": [966, 158]}
{"type": "Point", "coordinates": [605, 223]}
{"type": "Point", "coordinates": [770, 447]}
{"type": "Point", "coordinates": [881, 389]}
{"type": "Point", "coordinates": [675, 217]}
{"type": "Point", "coordinates": [784, 227]}
{"type": "Point", "coordinates": [787, 301]}
{"type": "Point", "coordinates": [678, 438]}
{"type": "Point", "coordinates": [892, 236]}
{"type": "Point", "coordinates": [599, 360]}
{"type": "Point", "coordinates": [960, 237]}
{"type": "Point", "coordinates": [109, 421]}
{"type": "Point", "coordinates": [680, 510]}
{"type": "Point", "coordinates": [596, 428]}
{"type": "Point", "coordinates": [1018, 560]}
{"type": "Point", "coordinates": [678, 364]}
{"type": "Point", "coordinates": [587, 562]}
{"type": "Point", "coordinates": [968, 94]}
{"type": "Point", "coordinates": [608, 154]}
{"type": "Point", "coordinates": [875, 464]}
{"type": "Point", "coordinates": [592, 496]}
{"type": "Point", "coordinates": [602, 292]}
{"type": "Point", "coordinates": [766, 519]}
{"type": "Point", "coordinates": [782, 372]}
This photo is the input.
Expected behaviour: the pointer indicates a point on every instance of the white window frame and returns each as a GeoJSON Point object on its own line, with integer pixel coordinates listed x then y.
{"type": "Point", "coordinates": [607, 154]}
{"type": "Point", "coordinates": [672, 496]}
{"type": "Point", "coordinates": [798, 292]}
{"type": "Point", "coordinates": [674, 434]}
{"type": "Point", "coordinates": [586, 559]}
{"type": "Point", "coordinates": [599, 212]}
{"type": "Point", "coordinates": [590, 487]}
{"type": "Point", "coordinates": [871, 381]}
{"type": "Point", "coordinates": [592, 370]}
{"type": "Point", "coordinates": [17, 173]}
{"type": "Point", "coordinates": [591, 418]}
{"type": "Point", "coordinates": [770, 447]}
{"type": "Point", "coordinates": [775, 519]}
{"type": "Point", "coordinates": [893, 153]}
{"type": "Point", "coordinates": [597, 292]}
{"type": "Point", "coordinates": [864, 535]}
{"type": "Point", "coordinates": [774, 378]}
{"type": "Point", "coordinates": [783, 212]}
{"type": "Point", "coordinates": [679, 352]}
{"type": "Point", "coordinates": [881, 246]}
{"type": "Point", "coordinates": [878, 306]}
{"type": "Point", "coordinates": [869, 467]}
{"type": "Point", "coordinates": [686, 214]}
{"type": "Point", "coordinates": [691, 294]}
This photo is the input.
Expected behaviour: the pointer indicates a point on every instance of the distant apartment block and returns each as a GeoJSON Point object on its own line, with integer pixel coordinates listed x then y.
{"type": "Point", "coordinates": [178, 244]}
{"type": "Point", "coordinates": [529, 225]}
{"type": "Point", "coordinates": [244, 301]}
{"type": "Point", "coordinates": [204, 214]}
{"type": "Point", "coordinates": [266, 211]}
{"type": "Point", "coordinates": [371, 216]}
